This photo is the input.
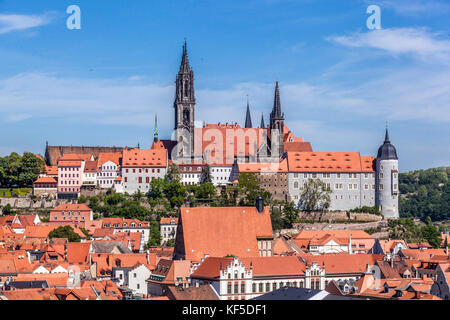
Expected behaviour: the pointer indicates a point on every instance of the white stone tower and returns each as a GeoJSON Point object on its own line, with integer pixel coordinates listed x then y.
{"type": "Point", "coordinates": [386, 180]}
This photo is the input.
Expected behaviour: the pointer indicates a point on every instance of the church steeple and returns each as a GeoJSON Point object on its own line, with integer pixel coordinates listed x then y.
{"type": "Point", "coordinates": [248, 119]}
{"type": "Point", "coordinates": [277, 124]}
{"type": "Point", "coordinates": [185, 104]}
{"type": "Point", "coordinates": [262, 125]}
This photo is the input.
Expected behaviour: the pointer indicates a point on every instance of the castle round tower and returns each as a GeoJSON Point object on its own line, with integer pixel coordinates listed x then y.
{"type": "Point", "coordinates": [386, 180]}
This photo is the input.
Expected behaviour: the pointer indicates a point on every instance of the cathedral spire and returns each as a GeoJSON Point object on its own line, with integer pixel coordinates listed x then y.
{"type": "Point", "coordinates": [185, 67]}
{"type": "Point", "coordinates": [262, 125]}
{"type": "Point", "coordinates": [155, 135]}
{"type": "Point", "coordinates": [277, 104]}
{"type": "Point", "coordinates": [248, 119]}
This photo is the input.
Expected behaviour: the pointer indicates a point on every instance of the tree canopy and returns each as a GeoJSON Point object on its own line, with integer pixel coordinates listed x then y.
{"type": "Point", "coordinates": [20, 170]}
{"type": "Point", "coordinates": [425, 193]}
{"type": "Point", "coordinates": [315, 196]}
{"type": "Point", "coordinates": [65, 232]}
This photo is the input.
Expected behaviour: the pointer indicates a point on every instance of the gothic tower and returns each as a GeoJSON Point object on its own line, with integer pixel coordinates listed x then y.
{"type": "Point", "coordinates": [386, 179]}
{"type": "Point", "coordinates": [185, 105]}
{"type": "Point", "coordinates": [277, 123]}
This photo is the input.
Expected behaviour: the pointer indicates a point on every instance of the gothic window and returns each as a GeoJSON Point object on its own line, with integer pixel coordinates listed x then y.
{"type": "Point", "coordinates": [186, 117]}
{"type": "Point", "coordinates": [186, 88]}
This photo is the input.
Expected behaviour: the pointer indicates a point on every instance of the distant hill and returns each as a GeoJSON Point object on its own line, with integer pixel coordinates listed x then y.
{"type": "Point", "coordinates": [425, 193]}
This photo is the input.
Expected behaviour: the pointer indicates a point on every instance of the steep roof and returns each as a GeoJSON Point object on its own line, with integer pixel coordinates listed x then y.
{"type": "Point", "coordinates": [221, 231]}
{"type": "Point", "coordinates": [90, 166]}
{"type": "Point", "coordinates": [144, 158]}
{"type": "Point", "coordinates": [104, 157]}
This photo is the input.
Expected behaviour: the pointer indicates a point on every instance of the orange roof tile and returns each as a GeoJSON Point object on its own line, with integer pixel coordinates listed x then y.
{"type": "Point", "coordinates": [45, 180]}
{"type": "Point", "coordinates": [144, 158]}
{"type": "Point", "coordinates": [329, 162]}
{"type": "Point", "coordinates": [104, 157]}
{"type": "Point", "coordinates": [221, 231]}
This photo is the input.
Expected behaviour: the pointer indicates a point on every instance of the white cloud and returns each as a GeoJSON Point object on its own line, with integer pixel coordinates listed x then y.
{"type": "Point", "coordinates": [415, 41]}
{"type": "Point", "coordinates": [415, 7]}
{"type": "Point", "coordinates": [18, 22]}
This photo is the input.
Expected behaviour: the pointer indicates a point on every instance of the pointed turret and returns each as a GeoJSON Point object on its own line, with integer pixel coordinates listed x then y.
{"type": "Point", "coordinates": [262, 125]}
{"type": "Point", "coordinates": [248, 119]}
{"type": "Point", "coordinates": [387, 151]}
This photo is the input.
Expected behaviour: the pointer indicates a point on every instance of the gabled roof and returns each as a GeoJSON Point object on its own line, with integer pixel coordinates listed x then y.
{"type": "Point", "coordinates": [104, 157]}
{"type": "Point", "coordinates": [144, 158]}
{"type": "Point", "coordinates": [221, 231]}
{"type": "Point", "coordinates": [90, 166]}
{"type": "Point", "coordinates": [264, 167]}
{"type": "Point", "coordinates": [342, 262]}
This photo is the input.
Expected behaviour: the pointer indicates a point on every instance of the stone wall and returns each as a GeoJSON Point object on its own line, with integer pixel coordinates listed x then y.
{"type": "Point", "coordinates": [27, 203]}
{"type": "Point", "coordinates": [339, 215]}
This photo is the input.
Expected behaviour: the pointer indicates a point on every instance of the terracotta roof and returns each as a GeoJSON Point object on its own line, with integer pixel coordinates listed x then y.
{"type": "Point", "coordinates": [329, 162]}
{"type": "Point", "coordinates": [221, 231]}
{"type": "Point", "coordinates": [170, 220]}
{"type": "Point", "coordinates": [51, 170]}
{"type": "Point", "coordinates": [75, 156]}
{"type": "Point", "coordinates": [144, 158]}
{"type": "Point", "coordinates": [342, 262]}
{"type": "Point", "coordinates": [71, 207]}
{"type": "Point", "coordinates": [53, 279]}
{"type": "Point", "coordinates": [354, 234]}
{"type": "Point", "coordinates": [69, 163]}
{"type": "Point", "coordinates": [261, 266]}
{"type": "Point", "coordinates": [104, 157]}
{"type": "Point", "coordinates": [45, 180]}
{"type": "Point", "coordinates": [90, 166]}
{"type": "Point", "coordinates": [78, 252]}
{"type": "Point", "coordinates": [264, 167]}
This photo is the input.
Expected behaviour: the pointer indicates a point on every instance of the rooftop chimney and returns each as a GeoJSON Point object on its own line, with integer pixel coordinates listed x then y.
{"type": "Point", "coordinates": [259, 204]}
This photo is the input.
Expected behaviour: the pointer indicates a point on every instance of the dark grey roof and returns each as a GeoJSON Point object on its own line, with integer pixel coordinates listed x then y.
{"type": "Point", "coordinates": [248, 119]}
{"type": "Point", "coordinates": [387, 150]}
{"type": "Point", "coordinates": [38, 284]}
{"type": "Point", "coordinates": [294, 293]}
{"type": "Point", "coordinates": [107, 247]}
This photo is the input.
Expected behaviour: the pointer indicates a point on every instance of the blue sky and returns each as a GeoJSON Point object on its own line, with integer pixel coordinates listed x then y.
{"type": "Point", "coordinates": [339, 81]}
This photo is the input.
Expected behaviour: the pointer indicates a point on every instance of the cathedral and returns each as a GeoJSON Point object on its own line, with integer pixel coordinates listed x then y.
{"type": "Point", "coordinates": [225, 143]}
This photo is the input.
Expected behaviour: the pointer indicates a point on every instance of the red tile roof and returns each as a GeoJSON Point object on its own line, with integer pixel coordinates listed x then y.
{"type": "Point", "coordinates": [221, 231]}
{"type": "Point", "coordinates": [45, 180]}
{"type": "Point", "coordinates": [104, 157]}
{"type": "Point", "coordinates": [144, 158]}
{"type": "Point", "coordinates": [71, 207]}
{"type": "Point", "coordinates": [329, 162]}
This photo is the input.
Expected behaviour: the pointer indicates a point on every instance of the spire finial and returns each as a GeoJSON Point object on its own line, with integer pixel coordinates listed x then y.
{"type": "Point", "coordinates": [386, 139]}
{"type": "Point", "coordinates": [263, 125]}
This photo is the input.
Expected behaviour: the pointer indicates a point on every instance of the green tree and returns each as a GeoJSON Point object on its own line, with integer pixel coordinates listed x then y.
{"type": "Point", "coordinates": [205, 191]}
{"type": "Point", "coordinates": [170, 243]}
{"type": "Point", "coordinates": [65, 232]}
{"type": "Point", "coordinates": [155, 235]}
{"type": "Point", "coordinates": [158, 188]}
{"type": "Point", "coordinates": [249, 188]}
{"type": "Point", "coordinates": [290, 214]}
{"type": "Point", "coordinates": [173, 173]}
{"type": "Point", "coordinates": [431, 234]}
{"type": "Point", "coordinates": [276, 219]}
{"type": "Point", "coordinates": [315, 196]}
{"type": "Point", "coordinates": [176, 192]}
{"type": "Point", "coordinates": [206, 174]}
{"type": "Point", "coordinates": [7, 210]}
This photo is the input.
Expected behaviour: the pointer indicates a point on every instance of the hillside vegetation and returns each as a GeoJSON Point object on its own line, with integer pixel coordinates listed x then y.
{"type": "Point", "coordinates": [425, 193]}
